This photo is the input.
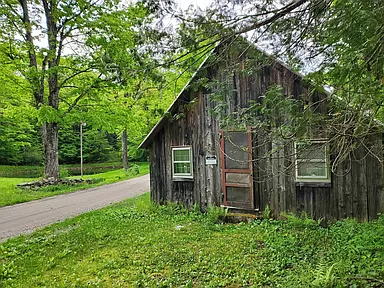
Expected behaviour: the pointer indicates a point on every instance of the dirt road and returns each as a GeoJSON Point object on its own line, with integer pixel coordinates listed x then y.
{"type": "Point", "coordinates": [26, 217]}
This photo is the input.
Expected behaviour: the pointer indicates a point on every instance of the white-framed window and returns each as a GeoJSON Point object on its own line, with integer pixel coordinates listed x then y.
{"type": "Point", "coordinates": [182, 162]}
{"type": "Point", "coordinates": [312, 161]}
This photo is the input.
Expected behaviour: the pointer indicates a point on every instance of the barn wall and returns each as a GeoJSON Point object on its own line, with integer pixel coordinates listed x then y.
{"type": "Point", "coordinates": [274, 182]}
{"type": "Point", "coordinates": [198, 128]}
{"type": "Point", "coordinates": [356, 189]}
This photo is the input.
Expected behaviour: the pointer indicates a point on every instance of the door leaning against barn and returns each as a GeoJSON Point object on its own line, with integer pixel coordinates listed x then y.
{"type": "Point", "coordinates": [236, 157]}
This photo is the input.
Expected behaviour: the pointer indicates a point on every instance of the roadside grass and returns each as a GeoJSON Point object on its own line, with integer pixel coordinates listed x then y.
{"type": "Point", "coordinates": [10, 195]}
{"type": "Point", "coordinates": [138, 244]}
{"type": "Point", "coordinates": [35, 171]}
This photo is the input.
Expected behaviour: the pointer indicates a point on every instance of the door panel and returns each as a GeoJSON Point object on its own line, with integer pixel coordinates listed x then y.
{"type": "Point", "coordinates": [236, 156]}
{"type": "Point", "coordinates": [237, 178]}
{"type": "Point", "coordinates": [236, 150]}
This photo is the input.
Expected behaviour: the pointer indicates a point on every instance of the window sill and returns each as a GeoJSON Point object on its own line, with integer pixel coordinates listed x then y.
{"type": "Point", "coordinates": [313, 184]}
{"type": "Point", "coordinates": [182, 179]}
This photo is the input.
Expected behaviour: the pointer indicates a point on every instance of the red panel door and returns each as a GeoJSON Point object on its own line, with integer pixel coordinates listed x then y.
{"type": "Point", "coordinates": [236, 157]}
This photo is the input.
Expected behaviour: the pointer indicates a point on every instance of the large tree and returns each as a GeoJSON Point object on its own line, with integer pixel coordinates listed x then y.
{"type": "Point", "coordinates": [61, 42]}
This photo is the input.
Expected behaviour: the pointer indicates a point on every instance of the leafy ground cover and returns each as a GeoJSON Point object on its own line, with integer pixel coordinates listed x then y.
{"type": "Point", "coordinates": [10, 171]}
{"type": "Point", "coordinates": [138, 244]}
{"type": "Point", "coordinates": [9, 194]}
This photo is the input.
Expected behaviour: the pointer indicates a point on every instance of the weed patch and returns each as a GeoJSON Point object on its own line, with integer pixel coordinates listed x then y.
{"type": "Point", "coordinates": [139, 244]}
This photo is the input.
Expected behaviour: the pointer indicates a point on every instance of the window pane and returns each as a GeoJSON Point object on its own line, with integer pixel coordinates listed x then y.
{"type": "Point", "coordinates": [182, 168]}
{"type": "Point", "coordinates": [314, 151]}
{"type": "Point", "coordinates": [181, 155]}
{"type": "Point", "coordinates": [308, 169]}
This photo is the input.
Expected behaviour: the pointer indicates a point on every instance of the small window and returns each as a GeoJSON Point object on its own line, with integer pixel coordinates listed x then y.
{"type": "Point", "coordinates": [182, 166]}
{"type": "Point", "coordinates": [312, 162]}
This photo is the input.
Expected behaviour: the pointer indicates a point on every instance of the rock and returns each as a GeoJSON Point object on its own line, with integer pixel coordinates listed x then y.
{"type": "Point", "coordinates": [26, 185]}
{"type": "Point", "coordinates": [51, 181]}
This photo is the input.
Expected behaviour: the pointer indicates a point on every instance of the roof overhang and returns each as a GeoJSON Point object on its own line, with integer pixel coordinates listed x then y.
{"type": "Point", "coordinates": [172, 109]}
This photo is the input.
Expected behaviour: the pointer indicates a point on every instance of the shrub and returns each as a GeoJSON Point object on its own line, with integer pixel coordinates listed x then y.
{"type": "Point", "coordinates": [64, 173]}
{"type": "Point", "coordinates": [133, 170]}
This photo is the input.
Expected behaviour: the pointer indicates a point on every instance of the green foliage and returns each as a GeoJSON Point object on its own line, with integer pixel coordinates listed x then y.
{"type": "Point", "coordinates": [139, 243]}
{"type": "Point", "coordinates": [337, 44]}
{"type": "Point", "coordinates": [324, 276]}
{"type": "Point", "coordinates": [216, 214]}
{"type": "Point", "coordinates": [133, 170]}
{"type": "Point", "coordinates": [64, 173]}
{"type": "Point", "coordinates": [278, 116]}
{"type": "Point", "coordinates": [111, 81]}
{"type": "Point", "coordinates": [18, 135]}
{"type": "Point", "coordinates": [98, 74]}
{"type": "Point", "coordinates": [267, 212]}
{"type": "Point", "coordinates": [96, 147]}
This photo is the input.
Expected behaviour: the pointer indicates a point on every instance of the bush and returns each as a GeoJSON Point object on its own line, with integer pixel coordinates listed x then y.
{"type": "Point", "coordinates": [64, 173]}
{"type": "Point", "coordinates": [133, 170]}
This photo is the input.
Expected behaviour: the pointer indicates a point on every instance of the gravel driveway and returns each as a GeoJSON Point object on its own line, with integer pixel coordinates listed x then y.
{"type": "Point", "coordinates": [26, 217]}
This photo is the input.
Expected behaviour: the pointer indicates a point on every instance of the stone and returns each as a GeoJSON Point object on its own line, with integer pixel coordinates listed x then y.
{"type": "Point", "coordinates": [51, 181]}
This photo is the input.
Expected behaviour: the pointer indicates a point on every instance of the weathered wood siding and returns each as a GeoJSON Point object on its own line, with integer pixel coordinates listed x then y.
{"type": "Point", "coordinates": [199, 129]}
{"type": "Point", "coordinates": [356, 189]}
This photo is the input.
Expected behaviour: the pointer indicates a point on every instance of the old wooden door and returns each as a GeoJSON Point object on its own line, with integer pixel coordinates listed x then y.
{"type": "Point", "coordinates": [236, 157]}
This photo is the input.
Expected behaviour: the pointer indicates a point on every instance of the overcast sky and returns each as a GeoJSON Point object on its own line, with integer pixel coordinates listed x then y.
{"type": "Point", "coordinates": [183, 4]}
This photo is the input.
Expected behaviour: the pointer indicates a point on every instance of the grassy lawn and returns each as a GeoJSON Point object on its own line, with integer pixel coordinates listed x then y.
{"type": "Point", "coordinates": [10, 195]}
{"type": "Point", "coordinates": [138, 244]}
{"type": "Point", "coordinates": [29, 171]}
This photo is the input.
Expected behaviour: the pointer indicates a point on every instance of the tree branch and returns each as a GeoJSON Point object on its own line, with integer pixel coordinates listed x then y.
{"type": "Point", "coordinates": [85, 92]}
{"type": "Point", "coordinates": [287, 9]}
{"type": "Point", "coordinates": [74, 75]}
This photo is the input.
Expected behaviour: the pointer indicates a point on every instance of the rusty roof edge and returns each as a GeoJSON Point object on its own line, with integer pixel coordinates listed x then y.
{"type": "Point", "coordinates": [163, 119]}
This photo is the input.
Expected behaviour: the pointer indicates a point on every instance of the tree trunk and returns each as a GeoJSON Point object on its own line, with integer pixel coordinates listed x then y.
{"type": "Point", "coordinates": [51, 150]}
{"type": "Point", "coordinates": [50, 134]}
{"type": "Point", "coordinates": [124, 149]}
{"type": "Point", "coordinates": [49, 131]}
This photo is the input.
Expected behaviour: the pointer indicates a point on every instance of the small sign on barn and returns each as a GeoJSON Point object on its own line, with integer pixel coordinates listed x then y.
{"type": "Point", "coordinates": [210, 160]}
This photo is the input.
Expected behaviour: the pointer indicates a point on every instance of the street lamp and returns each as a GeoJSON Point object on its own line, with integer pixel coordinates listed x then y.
{"type": "Point", "coordinates": [81, 147]}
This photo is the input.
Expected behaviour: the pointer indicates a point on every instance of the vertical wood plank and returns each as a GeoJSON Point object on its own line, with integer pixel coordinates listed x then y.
{"type": "Point", "coordinates": [363, 190]}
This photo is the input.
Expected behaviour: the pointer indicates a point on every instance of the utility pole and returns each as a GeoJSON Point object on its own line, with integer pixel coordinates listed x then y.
{"type": "Point", "coordinates": [81, 147]}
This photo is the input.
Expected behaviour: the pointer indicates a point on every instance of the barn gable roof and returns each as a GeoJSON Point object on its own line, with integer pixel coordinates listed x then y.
{"type": "Point", "coordinates": [173, 107]}
{"type": "Point", "coordinates": [178, 100]}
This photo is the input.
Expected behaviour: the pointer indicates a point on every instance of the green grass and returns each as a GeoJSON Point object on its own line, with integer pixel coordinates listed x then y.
{"type": "Point", "coordinates": [10, 171]}
{"type": "Point", "coordinates": [9, 195]}
{"type": "Point", "coordinates": [138, 244]}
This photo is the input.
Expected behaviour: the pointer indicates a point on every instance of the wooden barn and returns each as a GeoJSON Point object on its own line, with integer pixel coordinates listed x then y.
{"type": "Point", "coordinates": [201, 156]}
